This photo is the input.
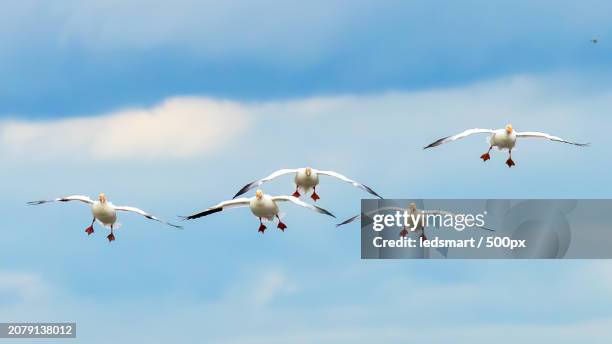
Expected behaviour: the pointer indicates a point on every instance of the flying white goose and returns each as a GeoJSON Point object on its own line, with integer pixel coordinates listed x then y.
{"type": "Point", "coordinates": [262, 206]}
{"type": "Point", "coordinates": [411, 210]}
{"type": "Point", "coordinates": [305, 180]}
{"type": "Point", "coordinates": [103, 211]}
{"type": "Point", "coordinates": [502, 139]}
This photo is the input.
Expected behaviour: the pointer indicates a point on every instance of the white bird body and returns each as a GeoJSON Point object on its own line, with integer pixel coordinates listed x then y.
{"type": "Point", "coordinates": [502, 139]}
{"type": "Point", "coordinates": [305, 181]}
{"type": "Point", "coordinates": [104, 212]}
{"type": "Point", "coordinates": [265, 207]}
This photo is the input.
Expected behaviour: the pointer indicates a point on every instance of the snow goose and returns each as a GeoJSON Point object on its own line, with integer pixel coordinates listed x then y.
{"type": "Point", "coordinates": [502, 139]}
{"type": "Point", "coordinates": [262, 206]}
{"type": "Point", "coordinates": [306, 179]}
{"type": "Point", "coordinates": [103, 211]}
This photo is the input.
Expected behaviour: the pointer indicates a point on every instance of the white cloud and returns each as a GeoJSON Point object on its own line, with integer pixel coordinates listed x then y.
{"type": "Point", "coordinates": [185, 127]}
{"type": "Point", "coordinates": [23, 286]}
{"type": "Point", "coordinates": [271, 284]}
{"type": "Point", "coordinates": [177, 128]}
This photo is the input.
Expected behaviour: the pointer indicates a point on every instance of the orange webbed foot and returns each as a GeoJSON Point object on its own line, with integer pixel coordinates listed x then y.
{"type": "Point", "coordinates": [315, 197]}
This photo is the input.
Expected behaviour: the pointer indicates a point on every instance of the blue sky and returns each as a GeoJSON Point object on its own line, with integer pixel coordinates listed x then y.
{"type": "Point", "coordinates": [74, 57]}
{"type": "Point", "coordinates": [173, 107]}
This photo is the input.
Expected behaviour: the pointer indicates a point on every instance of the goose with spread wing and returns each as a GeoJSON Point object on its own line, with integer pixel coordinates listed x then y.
{"type": "Point", "coordinates": [103, 211]}
{"type": "Point", "coordinates": [262, 206]}
{"type": "Point", "coordinates": [502, 139]}
{"type": "Point", "coordinates": [306, 179]}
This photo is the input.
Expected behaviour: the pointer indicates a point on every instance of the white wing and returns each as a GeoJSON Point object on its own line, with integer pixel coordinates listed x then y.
{"type": "Point", "coordinates": [80, 198]}
{"type": "Point", "coordinates": [235, 203]}
{"type": "Point", "coordinates": [459, 136]}
{"type": "Point", "coordinates": [548, 136]}
{"type": "Point", "coordinates": [301, 204]}
{"type": "Point", "coordinates": [145, 214]}
{"type": "Point", "coordinates": [257, 183]}
{"type": "Point", "coordinates": [345, 179]}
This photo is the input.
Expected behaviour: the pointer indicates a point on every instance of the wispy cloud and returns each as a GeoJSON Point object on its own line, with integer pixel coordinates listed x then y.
{"type": "Point", "coordinates": [23, 287]}
{"type": "Point", "coordinates": [178, 127]}
{"type": "Point", "coordinates": [270, 285]}
{"type": "Point", "coordinates": [337, 307]}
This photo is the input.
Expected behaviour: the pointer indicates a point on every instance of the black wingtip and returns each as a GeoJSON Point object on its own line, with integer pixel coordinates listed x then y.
{"type": "Point", "coordinates": [202, 214]}
{"type": "Point", "coordinates": [175, 226]}
{"type": "Point", "coordinates": [369, 189]}
{"type": "Point", "coordinates": [325, 211]}
{"type": "Point", "coordinates": [436, 143]}
{"type": "Point", "coordinates": [244, 189]}
{"type": "Point", "coordinates": [347, 221]}
{"type": "Point", "coordinates": [238, 194]}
